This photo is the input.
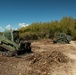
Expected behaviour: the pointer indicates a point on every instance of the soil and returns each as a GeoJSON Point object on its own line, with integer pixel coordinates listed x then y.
{"type": "Point", "coordinates": [47, 59]}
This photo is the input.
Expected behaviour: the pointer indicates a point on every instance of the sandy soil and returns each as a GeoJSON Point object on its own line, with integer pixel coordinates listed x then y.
{"type": "Point", "coordinates": [47, 59]}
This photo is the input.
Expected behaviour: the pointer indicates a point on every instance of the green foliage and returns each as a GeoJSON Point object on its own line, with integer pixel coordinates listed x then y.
{"type": "Point", "coordinates": [47, 29]}
{"type": "Point", "coordinates": [1, 33]}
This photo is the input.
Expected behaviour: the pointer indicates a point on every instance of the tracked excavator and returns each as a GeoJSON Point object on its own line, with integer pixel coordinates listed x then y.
{"type": "Point", "coordinates": [12, 45]}
{"type": "Point", "coordinates": [61, 38]}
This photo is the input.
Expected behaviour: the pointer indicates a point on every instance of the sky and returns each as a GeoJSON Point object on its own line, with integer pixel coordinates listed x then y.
{"type": "Point", "coordinates": [20, 13]}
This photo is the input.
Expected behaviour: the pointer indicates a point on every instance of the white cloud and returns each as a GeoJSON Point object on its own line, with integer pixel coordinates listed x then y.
{"type": "Point", "coordinates": [27, 24]}
{"type": "Point", "coordinates": [1, 28]}
{"type": "Point", "coordinates": [8, 27]}
{"type": "Point", "coordinates": [16, 29]}
{"type": "Point", "coordinates": [23, 24]}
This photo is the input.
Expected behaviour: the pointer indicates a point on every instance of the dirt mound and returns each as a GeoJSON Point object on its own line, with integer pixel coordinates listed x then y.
{"type": "Point", "coordinates": [54, 56]}
{"type": "Point", "coordinates": [58, 57]}
{"type": "Point", "coordinates": [43, 63]}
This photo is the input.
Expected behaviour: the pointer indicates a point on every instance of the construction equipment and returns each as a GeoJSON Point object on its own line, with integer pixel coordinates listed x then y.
{"type": "Point", "coordinates": [11, 45]}
{"type": "Point", "coordinates": [61, 38]}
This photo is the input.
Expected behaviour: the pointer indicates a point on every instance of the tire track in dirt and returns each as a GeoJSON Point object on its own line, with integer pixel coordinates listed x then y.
{"type": "Point", "coordinates": [70, 67]}
{"type": "Point", "coordinates": [73, 57]}
{"type": "Point", "coordinates": [73, 43]}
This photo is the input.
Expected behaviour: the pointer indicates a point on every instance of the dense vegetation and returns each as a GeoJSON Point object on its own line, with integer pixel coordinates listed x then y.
{"type": "Point", "coordinates": [1, 33]}
{"type": "Point", "coordinates": [47, 29]}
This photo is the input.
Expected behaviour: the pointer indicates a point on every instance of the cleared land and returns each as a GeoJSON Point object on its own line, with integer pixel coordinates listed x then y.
{"type": "Point", "coordinates": [47, 59]}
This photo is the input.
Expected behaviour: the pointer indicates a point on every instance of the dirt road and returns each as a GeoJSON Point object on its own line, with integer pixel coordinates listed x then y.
{"type": "Point", "coordinates": [73, 57]}
{"type": "Point", "coordinates": [46, 59]}
{"type": "Point", "coordinates": [71, 66]}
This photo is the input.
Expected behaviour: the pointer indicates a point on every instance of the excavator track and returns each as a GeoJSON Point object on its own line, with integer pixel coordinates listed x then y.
{"type": "Point", "coordinates": [5, 47]}
{"type": "Point", "coordinates": [5, 51]}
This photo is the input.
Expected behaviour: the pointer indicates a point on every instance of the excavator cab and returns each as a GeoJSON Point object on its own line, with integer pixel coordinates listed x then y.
{"type": "Point", "coordinates": [12, 35]}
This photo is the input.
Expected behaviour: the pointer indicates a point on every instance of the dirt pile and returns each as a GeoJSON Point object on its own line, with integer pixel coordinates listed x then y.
{"type": "Point", "coordinates": [43, 63]}
{"type": "Point", "coordinates": [58, 57]}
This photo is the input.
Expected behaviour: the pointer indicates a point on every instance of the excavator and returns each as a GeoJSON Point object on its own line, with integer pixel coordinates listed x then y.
{"type": "Point", "coordinates": [61, 38]}
{"type": "Point", "coordinates": [12, 45]}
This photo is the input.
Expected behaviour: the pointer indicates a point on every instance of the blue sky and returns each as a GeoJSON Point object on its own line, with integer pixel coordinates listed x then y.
{"type": "Point", "coordinates": [17, 13]}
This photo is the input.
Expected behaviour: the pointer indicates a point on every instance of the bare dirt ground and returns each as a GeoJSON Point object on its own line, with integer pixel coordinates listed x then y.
{"type": "Point", "coordinates": [47, 59]}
